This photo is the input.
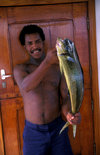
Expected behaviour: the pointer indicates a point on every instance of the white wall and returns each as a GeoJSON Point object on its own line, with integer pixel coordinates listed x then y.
{"type": "Point", "coordinates": [97, 11]}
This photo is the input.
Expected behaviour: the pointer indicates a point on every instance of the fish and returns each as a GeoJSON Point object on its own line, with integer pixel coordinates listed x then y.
{"type": "Point", "coordinates": [70, 66]}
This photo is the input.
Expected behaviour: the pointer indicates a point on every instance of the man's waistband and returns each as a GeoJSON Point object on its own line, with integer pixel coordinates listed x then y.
{"type": "Point", "coordinates": [45, 127]}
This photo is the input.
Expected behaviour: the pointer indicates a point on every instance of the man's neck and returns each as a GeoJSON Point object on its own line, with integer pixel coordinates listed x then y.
{"type": "Point", "coordinates": [37, 62]}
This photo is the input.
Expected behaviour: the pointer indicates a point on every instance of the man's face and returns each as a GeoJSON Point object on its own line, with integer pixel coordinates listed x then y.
{"type": "Point", "coordinates": [34, 45]}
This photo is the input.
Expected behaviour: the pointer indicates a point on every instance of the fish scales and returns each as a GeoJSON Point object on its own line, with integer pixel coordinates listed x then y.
{"type": "Point", "coordinates": [71, 67]}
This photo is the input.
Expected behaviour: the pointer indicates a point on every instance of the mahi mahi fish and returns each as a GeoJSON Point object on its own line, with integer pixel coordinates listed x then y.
{"type": "Point", "coordinates": [71, 68]}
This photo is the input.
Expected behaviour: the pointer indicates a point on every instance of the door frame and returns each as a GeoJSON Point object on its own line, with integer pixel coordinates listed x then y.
{"type": "Point", "coordinates": [93, 54]}
{"type": "Point", "coordinates": [94, 70]}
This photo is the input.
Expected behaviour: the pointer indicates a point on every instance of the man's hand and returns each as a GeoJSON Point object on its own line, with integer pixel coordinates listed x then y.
{"type": "Point", "coordinates": [51, 56]}
{"type": "Point", "coordinates": [73, 119]}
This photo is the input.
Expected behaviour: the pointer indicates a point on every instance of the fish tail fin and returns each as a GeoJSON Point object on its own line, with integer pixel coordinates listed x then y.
{"type": "Point", "coordinates": [65, 126]}
{"type": "Point", "coordinates": [74, 130]}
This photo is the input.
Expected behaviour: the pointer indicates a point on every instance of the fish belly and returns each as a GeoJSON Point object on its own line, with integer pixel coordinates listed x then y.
{"type": "Point", "coordinates": [75, 85]}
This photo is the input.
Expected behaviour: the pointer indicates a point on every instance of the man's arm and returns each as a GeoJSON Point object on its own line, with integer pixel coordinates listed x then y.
{"type": "Point", "coordinates": [25, 81]}
{"type": "Point", "coordinates": [66, 105]}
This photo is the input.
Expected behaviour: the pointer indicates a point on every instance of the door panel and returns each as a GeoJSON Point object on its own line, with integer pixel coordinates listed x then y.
{"type": "Point", "coordinates": [18, 53]}
{"type": "Point", "coordinates": [13, 124]}
{"type": "Point", "coordinates": [41, 13]}
{"type": "Point", "coordinates": [60, 28]}
{"type": "Point", "coordinates": [5, 58]}
{"type": "Point", "coordinates": [65, 21]}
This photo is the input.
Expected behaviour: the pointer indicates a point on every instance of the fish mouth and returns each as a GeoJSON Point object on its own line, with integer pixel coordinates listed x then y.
{"type": "Point", "coordinates": [59, 42]}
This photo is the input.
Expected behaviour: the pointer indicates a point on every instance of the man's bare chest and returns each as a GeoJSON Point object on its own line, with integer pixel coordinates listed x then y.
{"type": "Point", "coordinates": [51, 78]}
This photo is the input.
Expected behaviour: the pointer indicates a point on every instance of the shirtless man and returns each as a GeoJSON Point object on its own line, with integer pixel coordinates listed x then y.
{"type": "Point", "coordinates": [45, 97]}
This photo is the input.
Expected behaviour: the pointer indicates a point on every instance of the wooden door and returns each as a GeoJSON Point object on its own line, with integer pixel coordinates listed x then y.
{"type": "Point", "coordinates": [62, 20]}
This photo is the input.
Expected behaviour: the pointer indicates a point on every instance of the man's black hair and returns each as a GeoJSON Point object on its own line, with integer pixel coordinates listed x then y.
{"type": "Point", "coordinates": [29, 29]}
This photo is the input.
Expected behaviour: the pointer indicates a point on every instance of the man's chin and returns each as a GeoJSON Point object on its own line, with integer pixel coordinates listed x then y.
{"type": "Point", "coordinates": [37, 57]}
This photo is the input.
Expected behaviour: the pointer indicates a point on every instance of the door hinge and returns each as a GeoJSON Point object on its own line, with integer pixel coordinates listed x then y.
{"type": "Point", "coordinates": [92, 104]}
{"type": "Point", "coordinates": [94, 148]}
{"type": "Point", "coordinates": [88, 23]}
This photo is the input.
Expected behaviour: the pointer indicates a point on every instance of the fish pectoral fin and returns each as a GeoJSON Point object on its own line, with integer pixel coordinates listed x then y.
{"type": "Point", "coordinates": [65, 126]}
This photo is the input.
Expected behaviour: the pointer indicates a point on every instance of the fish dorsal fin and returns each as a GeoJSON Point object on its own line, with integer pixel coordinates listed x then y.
{"type": "Point", "coordinates": [75, 53]}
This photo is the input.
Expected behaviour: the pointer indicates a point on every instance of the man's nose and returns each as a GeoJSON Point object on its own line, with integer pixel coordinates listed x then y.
{"type": "Point", "coordinates": [34, 45]}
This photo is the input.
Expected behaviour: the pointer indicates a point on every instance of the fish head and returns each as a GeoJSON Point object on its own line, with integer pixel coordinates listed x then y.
{"type": "Point", "coordinates": [64, 47]}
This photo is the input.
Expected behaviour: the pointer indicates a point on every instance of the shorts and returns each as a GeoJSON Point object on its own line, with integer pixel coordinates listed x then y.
{"type": "Point", "coordinates": [45, 139]}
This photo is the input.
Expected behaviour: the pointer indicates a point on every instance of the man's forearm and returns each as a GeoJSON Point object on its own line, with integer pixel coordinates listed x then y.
{"type": "Point", "coordinates": [32, 80]}
{"type": "Point", "coordinates": [66, 106]}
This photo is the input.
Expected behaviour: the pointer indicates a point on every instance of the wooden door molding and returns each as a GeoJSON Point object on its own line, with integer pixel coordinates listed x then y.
{"type": "Point", "coordinates": [94, 67]}
{"type": "Point", "coordinates": [34, 2]}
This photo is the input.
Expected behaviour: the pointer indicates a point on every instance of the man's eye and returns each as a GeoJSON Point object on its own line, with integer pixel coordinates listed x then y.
{"type": "Point", "coordinates": [38, 41]}
{"type": "Point", "coordinates": [30, 43]}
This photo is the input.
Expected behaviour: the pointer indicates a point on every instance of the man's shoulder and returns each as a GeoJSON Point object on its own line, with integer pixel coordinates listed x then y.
{"type": "Point", "coordinates": [22, 65]}
{"type": "Point", "coordinates": [19, 71]}
{"type": "Point", "coordinates": [19, 66]}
